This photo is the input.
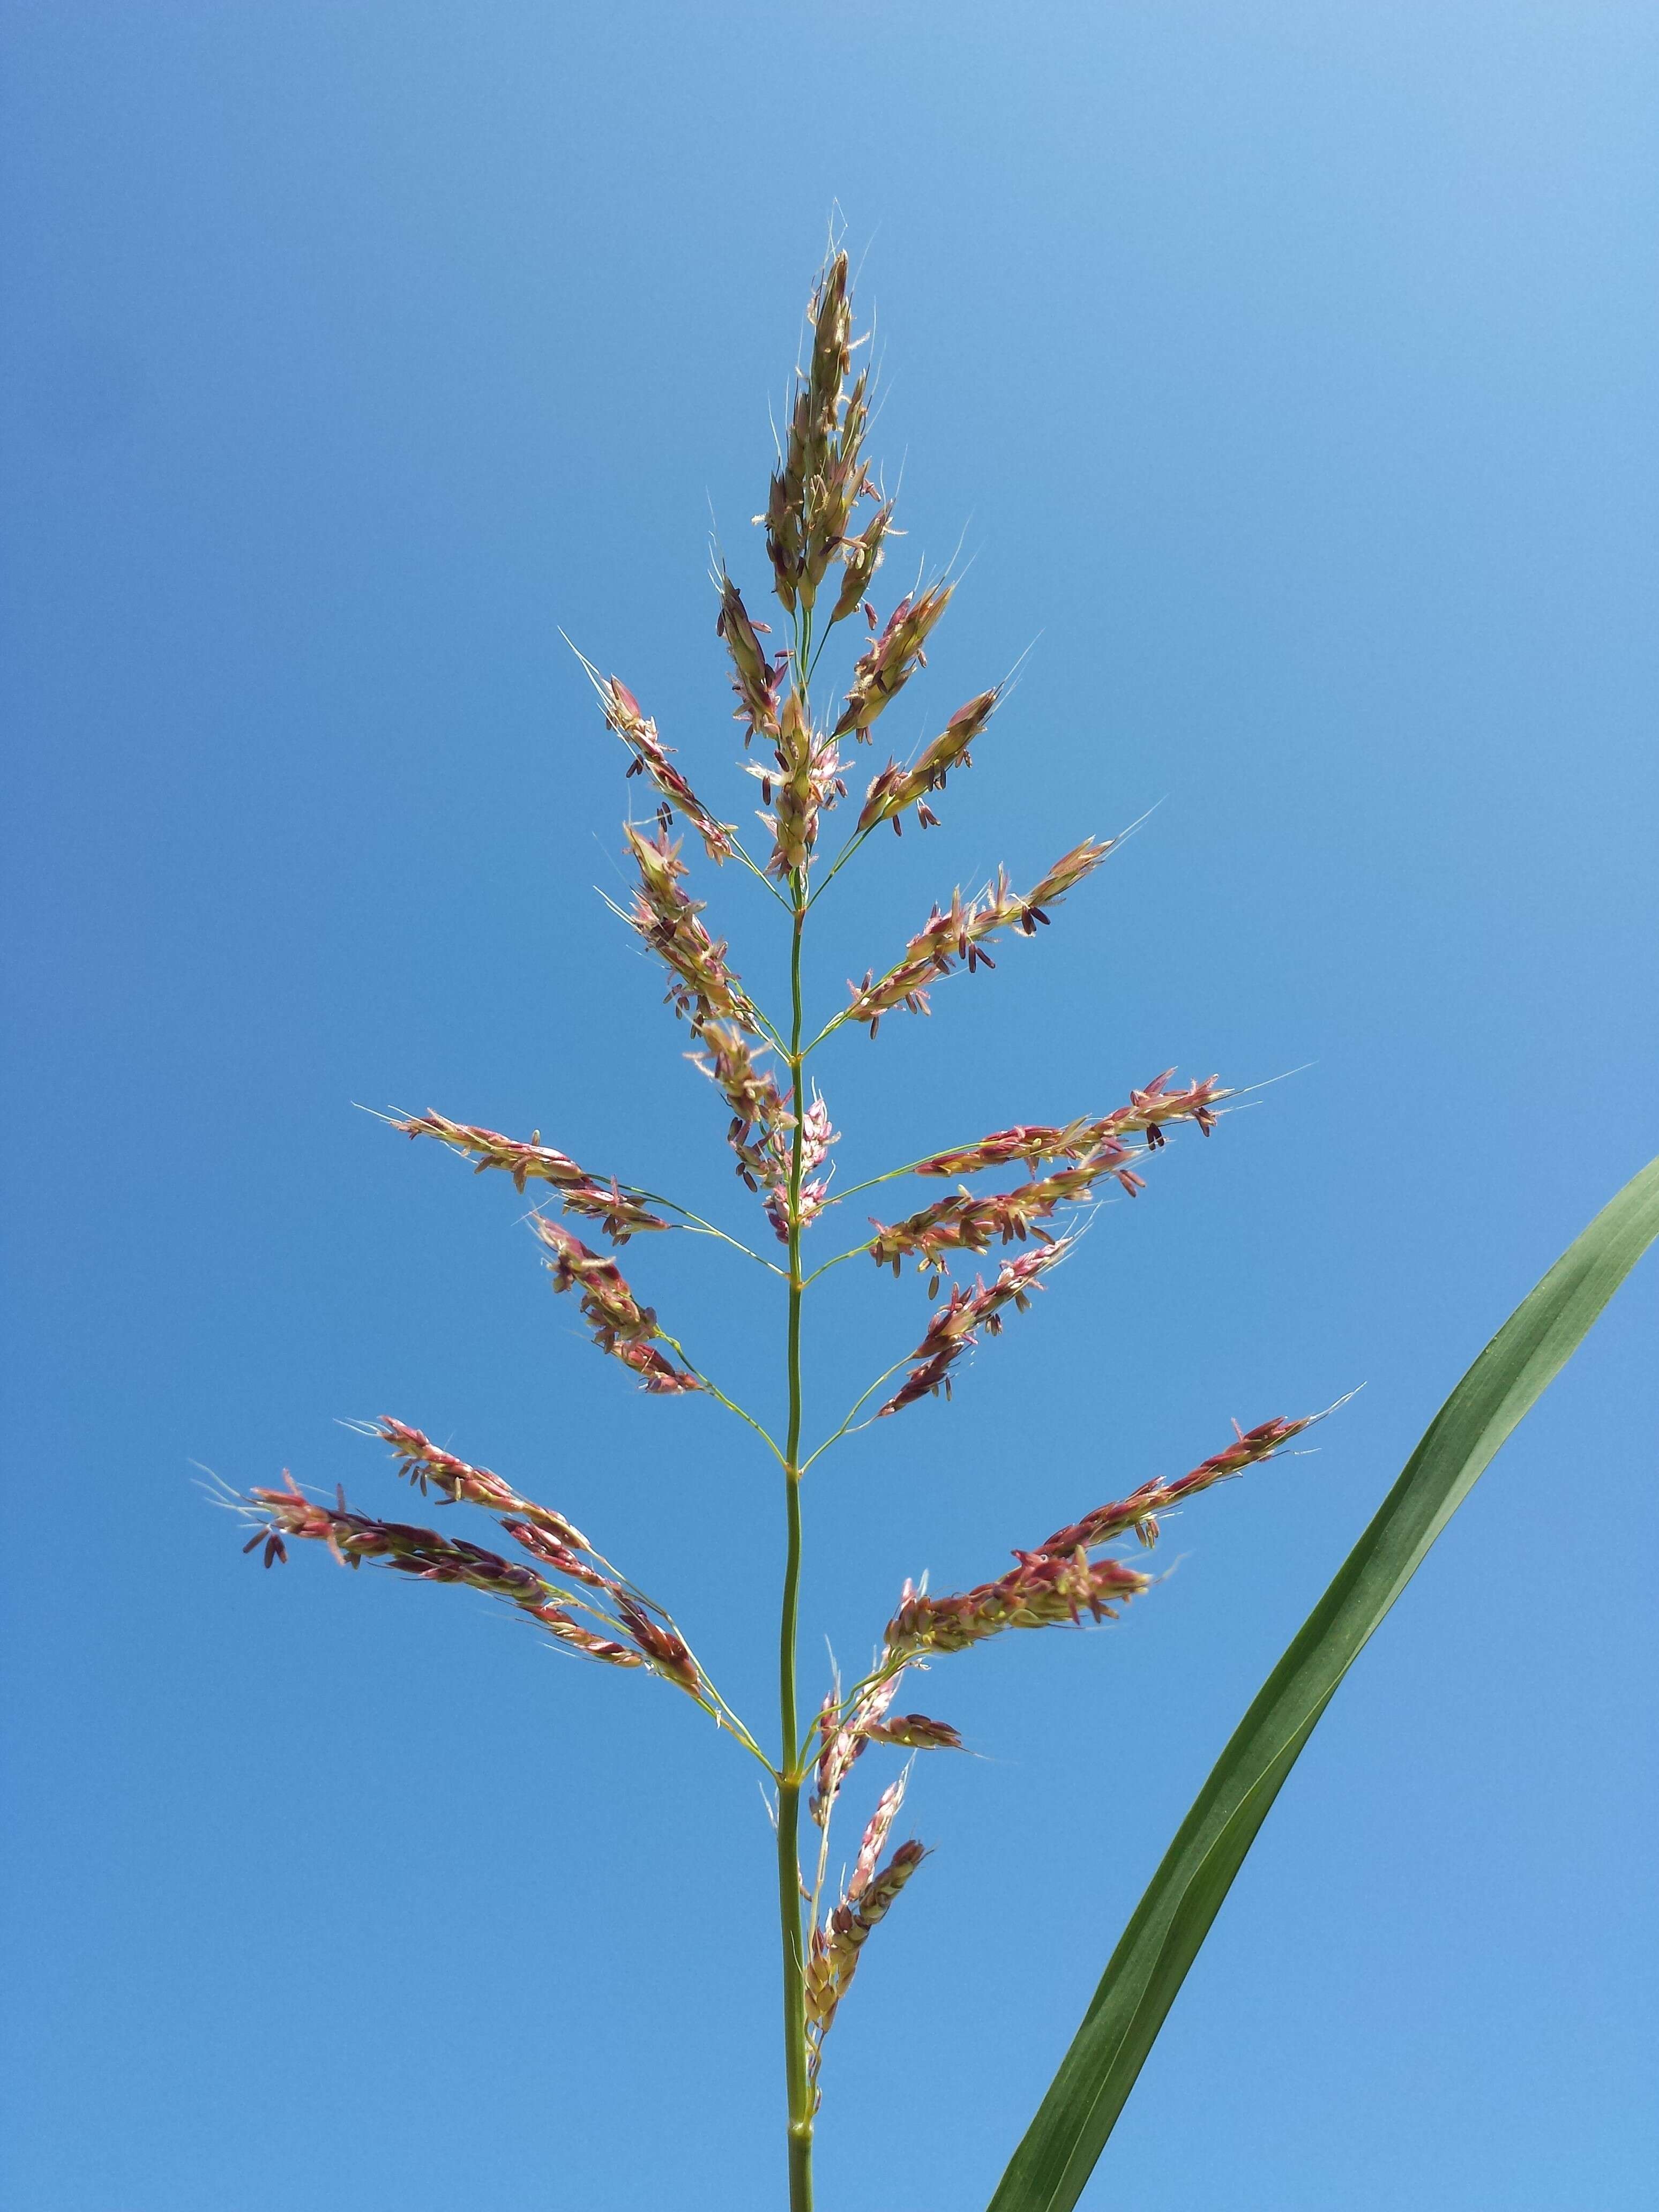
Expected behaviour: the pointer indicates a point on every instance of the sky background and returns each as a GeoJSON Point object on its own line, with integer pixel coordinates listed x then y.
{"type": "Point", "coordinates": [1285, 375]}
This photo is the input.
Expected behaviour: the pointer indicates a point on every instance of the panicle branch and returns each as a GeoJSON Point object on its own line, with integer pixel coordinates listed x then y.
{"type": "Point", "coordinates": [621, 1325]}
{"type": "Point", "coordinates": [702, 986]}
{"type": "Point", "coordinates": [954, 1325]}
{"type": "Point", "coordinates": [618, 1212]}
{"type": "Point", "coordinates": [896, 788]}
{"type": "Point", "coordinates": [290, 1514]}
{"type": "Point", "coordinates": [1146, 1115]}
{"type": "Point", "coordinates": [1138, 1512]}
{"type": "Point", "coordinates": [963, 1222]}
{"type": "Point", "coordinates": [427, 1466]}
{"type": "Point", "coordinates": [890, 660]}
{"type": "Point", "coordinates": [1059, 1582]}
{"type": "Point", "coordinates": [960, 933]}
{"type": "Point", "coordinates": [758, 681]}
{"type": "Point", "coordinates": [1042, 1590]}
{"type": "Point", "coordinates": [836, 1942]}
{"type": "Point", "coordinates": [652, 758]}
{"type": "Point", "coordinates": [763, 1126]}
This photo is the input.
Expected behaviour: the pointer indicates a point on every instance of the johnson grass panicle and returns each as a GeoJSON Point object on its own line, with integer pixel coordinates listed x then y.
{"type": "Point", "coordinates": [825, 507]}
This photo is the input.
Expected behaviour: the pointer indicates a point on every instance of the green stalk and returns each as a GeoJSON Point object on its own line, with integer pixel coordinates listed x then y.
{"type": "Point", "coordinates": [789, 1769]}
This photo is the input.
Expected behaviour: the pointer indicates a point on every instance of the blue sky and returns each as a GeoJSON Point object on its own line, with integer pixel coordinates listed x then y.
{"type": "Point", "coordinates": [1284, 374]}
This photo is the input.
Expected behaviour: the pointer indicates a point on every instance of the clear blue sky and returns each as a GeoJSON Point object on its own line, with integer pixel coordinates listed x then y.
{"type": "Point", "coordinates": [1287, 372]}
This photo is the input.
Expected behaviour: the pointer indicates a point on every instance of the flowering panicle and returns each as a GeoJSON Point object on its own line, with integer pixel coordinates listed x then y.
{"type": "Point", "coordinates": [954, 1327]}
{"type": "Point", "coordinates": [1145, 1114]}
{"type": "Point", "coordinates": [822, 475]}
{"type": "Point", "coordinates": [428, 1467]}
{"type": "Point", "coordinates": [702, 986]}
{"type": "Point", "coordinates": [354, 1537]}
{"type": "Point", "coordinates": [653, 758]}
{"type": "Point", "coordinates": [758, 681]}
{"type": "Point", "coordinates": [963, 1222]}
{"type": "Point", "coordinates": [621, 1325]}
{"type": "Point", "coordinates": [891, 658]}
{"type": "Point", "coordinates": [896, 788]}
{"type": "Point", "coordinates": [1138, 1512]}
{"type": "Point", "coordinates": [833, 1953]}
{"type": "Point", "coordinates": [960, 931]}
{"type": "Point", "coordinates": [618, 1212]}
{"type": "Point", "coordinates": [803, 781]}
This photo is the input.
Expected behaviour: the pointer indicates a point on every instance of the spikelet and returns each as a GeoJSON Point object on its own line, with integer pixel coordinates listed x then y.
{"type": "Point", "coordinates": [863, 555]}
{"type": "Point", "coordinates": [617, 1211]}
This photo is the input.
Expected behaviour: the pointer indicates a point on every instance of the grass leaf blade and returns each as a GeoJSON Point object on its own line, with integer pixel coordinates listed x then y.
{"type": "Point", "coordinates": [1058, 2152]}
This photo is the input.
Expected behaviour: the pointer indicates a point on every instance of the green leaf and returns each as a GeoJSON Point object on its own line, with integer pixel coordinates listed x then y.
{"type": "Point", "coordinates": [1058, 2152]}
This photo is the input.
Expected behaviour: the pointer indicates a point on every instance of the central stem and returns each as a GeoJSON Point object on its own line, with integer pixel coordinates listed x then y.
{"type": "Point", "coordinates": [790, 1765]}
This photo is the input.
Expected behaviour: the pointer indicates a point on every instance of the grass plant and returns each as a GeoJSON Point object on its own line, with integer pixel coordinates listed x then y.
{"type": "Point", "coordinates": [827, 522]}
